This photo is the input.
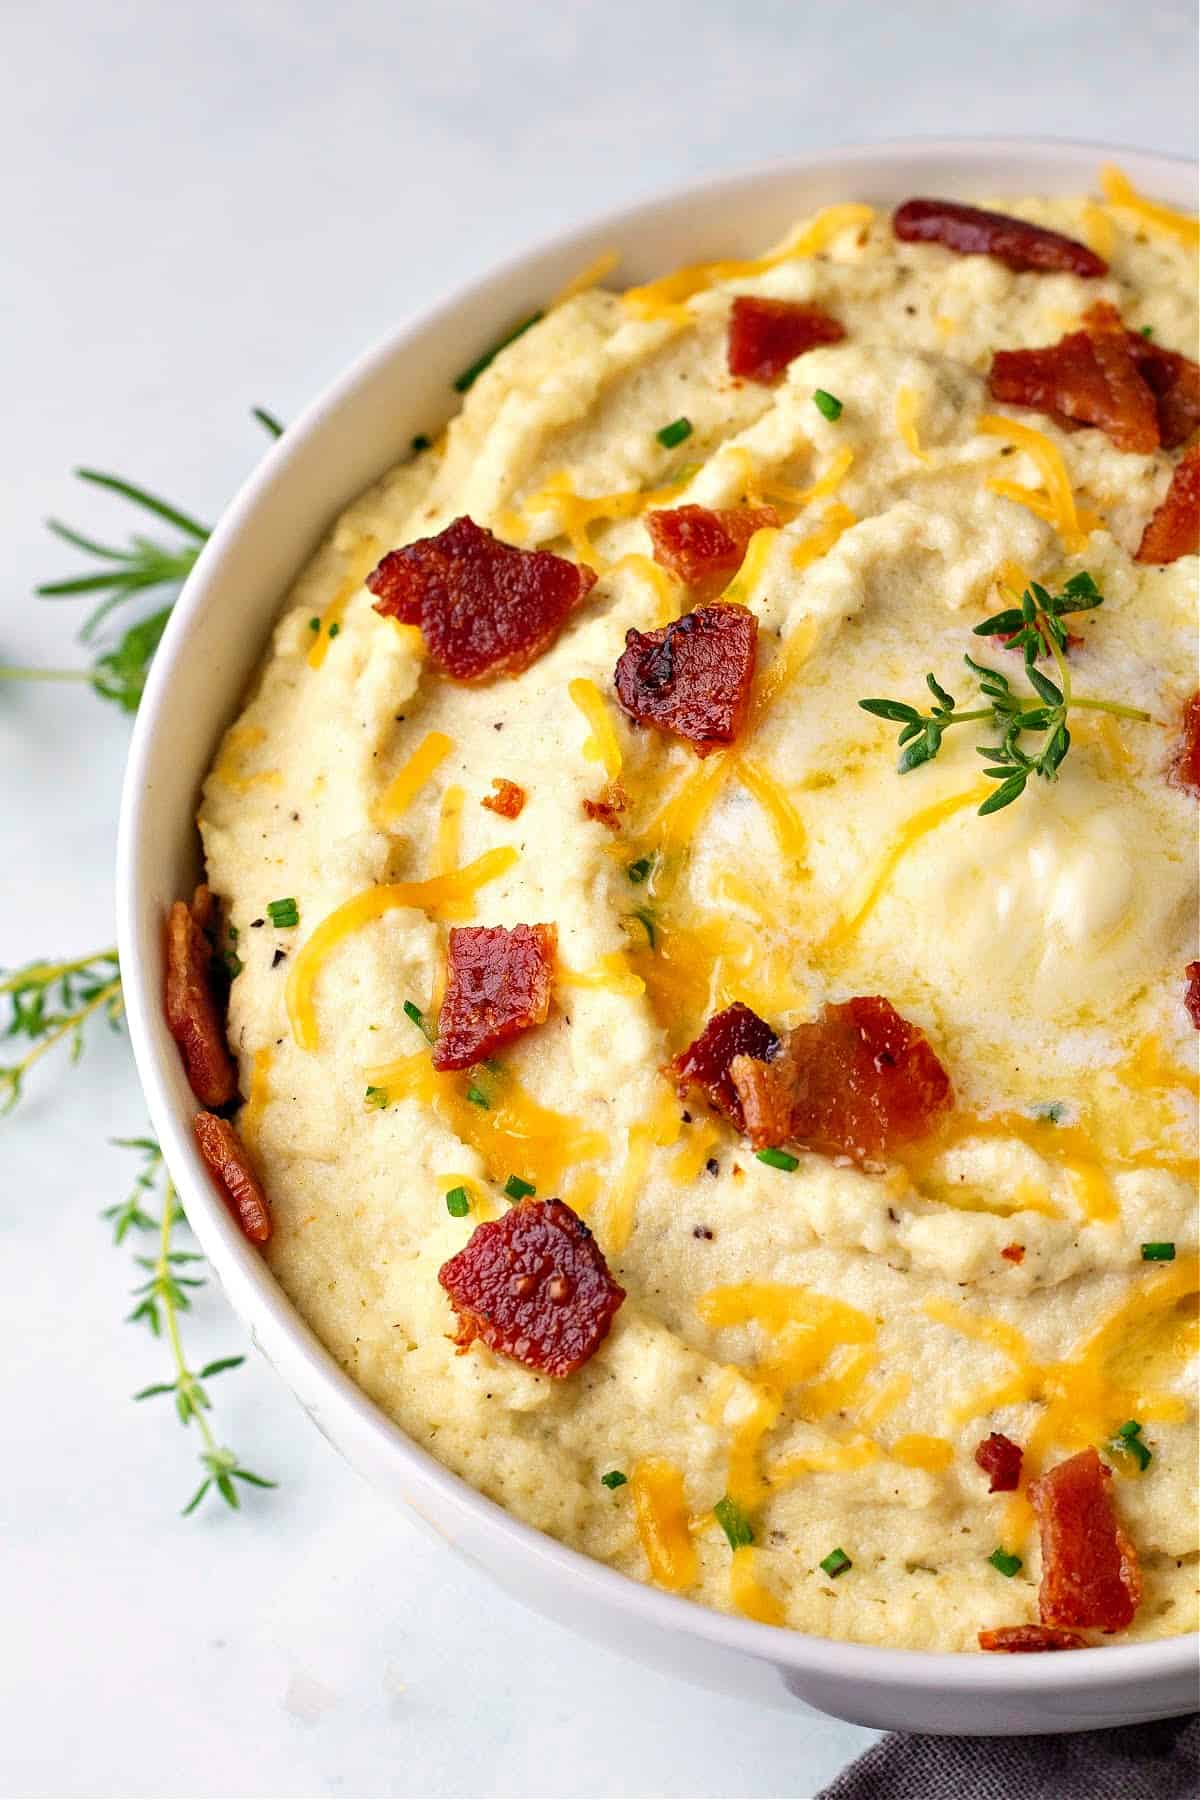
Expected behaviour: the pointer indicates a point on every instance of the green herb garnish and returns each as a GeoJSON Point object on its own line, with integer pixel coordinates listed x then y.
{"type": "Point", "coordinates": [614, 1479]}
{"type": "Point", "coordinates": [733, 1523]}
{"type": "Point", "coordinates": [1147, 331]}
{"type": "Point", "coordinates": [334, 629]}
{"type": "Point", "coordinates": [1034, 625]}
{"type": "Point", "coordinates": [516, 1189]}
{"type": "Point", "coordinates": [377, 1097]}
{"type": "Point", "coordinates": [458, 1203]}
{"type": "Point", "coordinates": [413, 1012]}
{"type": "Point", "coordinates": [836, 1563]}
{"type": "Point", "coordinates": [267, 420]}
{"type": "Point", "coordinates": [1005, 1562]}
{"type": "Point", "coordinates": [51, 1003]}
{"type": "Point", "coordinates": [1158, 1252]}
{"type": "Point", "coordinates": [283, 913]}
{"type": "Point", "coordinates": [314, 624]}
{"type": "Point", "coordinates": [648, 923]}
{"type": "Point", "coordinates": [674, 433]}
{"type": "Point", "coordinates": [638, 871]}
{"type": "Point", "coordinates": [1127, 1441]}
{"type": "Point", "coordinates": [471, 375]}
{"type": "Point", "coordinates": [828, 404]}
{"type": "Point", "coordinates": [477, 1097]}
{"type": "Point", "coordinates": [778, 1159]}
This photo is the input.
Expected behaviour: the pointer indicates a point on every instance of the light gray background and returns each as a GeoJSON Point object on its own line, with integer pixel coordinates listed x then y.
{"type": "Point", "coordinates": [204, 207]}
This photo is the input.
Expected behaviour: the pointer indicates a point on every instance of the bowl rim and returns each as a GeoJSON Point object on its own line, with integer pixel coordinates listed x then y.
{"type": "Point", "coordinates": [274, 1324]}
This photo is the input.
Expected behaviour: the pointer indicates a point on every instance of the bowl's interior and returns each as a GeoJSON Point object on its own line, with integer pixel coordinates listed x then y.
{"type": "Point", "coordinates": [344, 441]}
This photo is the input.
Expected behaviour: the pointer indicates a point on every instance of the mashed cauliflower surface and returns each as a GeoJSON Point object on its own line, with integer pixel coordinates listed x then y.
{"type": "Point", "coordinates": [825, 1345]}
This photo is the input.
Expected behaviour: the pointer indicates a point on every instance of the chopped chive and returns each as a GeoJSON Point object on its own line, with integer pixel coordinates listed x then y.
{"type": "Point", "coordinates": [377, 1097]}
{"type": "Point", "coordinates": [516, 1189]}
{"type": "Point", "coordinates": [414, 1013]}
{"type": "Point", "coordinates": [314, 624]}
{"type": "Point", "coordinates": [421, 442]}
{"type": "Point", "coordinates": [283, 912]}
{"type": "Point", "coordinates": [828, 404]}
{"type": "Point", "coordinates": [233, 964]}
{"type": "Point", "coordinates": [1132, 1428]}
{"type": "Point", "coordinates": [1005, 1561]}
{"type": "Point", "coordinates": [638, 871]}
{"type": "Point", "coordinates": [614, 1479]}
{"type": "Point", "coordinates": [1127, 1441]}
{"type": "Point", "coordinates": [778, 1159]}
{"type": "Point", "coordinates": [477, 1097]}
{"type": "Point", "coordinates": [458, 1203]}
{"type": "Point", "coordinates": [733, 1523]}
{"type": "Point", "coordinates": [648, 923]}
{"type": "Point", "coordinates": [1158, 1253]}
{"type": "Point", "coordinates": [1050, 1111]}
{"type": "Point", "coordinates": [334, 629]}
{"type": "Point", "coordinates": [471, 375]}
{"type": "Point", "coordinates": [1147, 331]}
{"type": "Point", "coordinates": [836, 1563]}
{"type": "Point", "coordinates": [674, 433]}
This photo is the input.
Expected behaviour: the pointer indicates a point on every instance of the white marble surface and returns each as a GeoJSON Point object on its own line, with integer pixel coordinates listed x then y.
{"type": "Point", "coordinates": [205, 208]}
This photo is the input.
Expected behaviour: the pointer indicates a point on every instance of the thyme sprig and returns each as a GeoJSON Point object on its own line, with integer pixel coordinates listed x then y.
{"type": "Point", "coordinates": [161, 1300]}
{"type": "Point", "coordinates": [50, 1003]}
{"type": "Point", "coordinates": [1033, 626]}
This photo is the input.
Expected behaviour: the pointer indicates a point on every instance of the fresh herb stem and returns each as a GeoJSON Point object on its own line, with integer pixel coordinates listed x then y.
{"type": "Point", "coordinates": [51, 1002]}
{"type": "Point", "coordinates": [10, 673]}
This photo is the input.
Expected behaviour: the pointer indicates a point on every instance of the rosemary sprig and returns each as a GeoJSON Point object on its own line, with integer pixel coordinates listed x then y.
{"type": "Point", "coordinates": [49, 1003]}
{"type": "Point", "coordinates": [1033, 626]}
{"type": "Point", "coordinates": [161, 1299]}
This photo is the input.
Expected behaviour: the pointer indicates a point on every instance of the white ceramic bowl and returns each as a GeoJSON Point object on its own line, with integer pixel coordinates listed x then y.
{"type": "Point", "coordinates": [355, 431]}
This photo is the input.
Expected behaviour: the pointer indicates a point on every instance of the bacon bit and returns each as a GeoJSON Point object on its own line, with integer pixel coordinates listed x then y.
{"type": "Point", "coordinates": [1174, 531]}
{"type": "Point", "coordinates": [766, 335]}
{"type": "Point", "coordinates": [692, 677]}
{"type": "Point", "coordinates": [705, 1063]}
{"type": "Point", "coordinates": [971, 231]}
{"type": "Point", "coordinates": [498, 985]}
{"type": "Point", "coordinates": [1185, 767]}
{"type": "Point", "coordinates": [1000, 1460]}
{"type": "Point", "coordinates": [1138, 394]}
{"type": "Point", "coordinates": [612, 801]}
{"type": "Point", "coordinates": [508, 799]}
{"type": "Point", "coordinates": [193, 1019]}
{"type": "Point", "coordinates": [1030, 1637]}
{"type": "Point", "coordinates": [533, 1286]}
{"type": "Point", "coordinates": [229, 1164]}
{"type": "Point", "coordinates": [858, 1081]}
{"type": "Point", "coordinates": [1090, 1573]}
{"type": "Point", "coordinates": [1013, 1253]}
{"type": "Point", "coordinates": [1191, 994]}
{"type": "Point", "coordinates": [484, 607]}
{"type": "Point", "coordinates": [702, 546]}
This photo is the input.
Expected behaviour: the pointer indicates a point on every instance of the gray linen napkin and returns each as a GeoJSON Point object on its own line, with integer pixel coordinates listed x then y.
{"type": "Point", "coordinates": [1137, 1762]}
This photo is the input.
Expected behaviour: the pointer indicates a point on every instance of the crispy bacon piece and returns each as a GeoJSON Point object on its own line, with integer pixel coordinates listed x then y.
{"type": "Point", "coordinates": [766, 335]}
{"type": "Point", "coordinates": [972, 231]}
{"type": "Point", "coordinates": [1030, 1637]}
{"type": "Point", "coordinates": [1138, 394]}
{"type": "Point", "coordinates": [607, 807]}
{"type": "Point", "coordinates": [1090, 1573]}
{"type": "Point", "coordinates": [1174, 530]}
{"type": "Point", "coordinates": [533, 1286]}
{"type": "Point", "coordinates": [507, 800]}
{"type": "Point", "coordinates": [1000, 1460]}
{"type": "Point", "coordinates": [1191, 993]}
{"type": "Point", "coordinates": [1185, 766]}
{"type": "Point", "coordinates": [701, 546]}
{"type": "Point", "coordinates": [229, 1164]}
{"type": "Point", "coordinates": [858, 1081]}
{"type": "Point", "coordinates": [498, 986]}
{"type": "Point", "coordinates": [484, 607]}
{"type": "Point", "coordinates": [692, 677]}
{"type": "Point", "coordinates": [193, 1018]}
{"type": "Point", "coordinates": [1013, 1253]}
{"type": "Point", "coordinates": [705, 1063]}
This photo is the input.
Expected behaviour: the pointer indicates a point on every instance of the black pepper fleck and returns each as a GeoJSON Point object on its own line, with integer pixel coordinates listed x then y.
{"type": "Point", "coordinates": [713, 1166]}
{"type": "Point", "coordinates": [278, 958]}
{"type": "Point", "coordinates": [701, 1231]}
{"type": "Point", "coordinates": [255, 923]}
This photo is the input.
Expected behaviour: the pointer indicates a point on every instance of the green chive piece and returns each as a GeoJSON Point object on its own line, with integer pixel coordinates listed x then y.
{"type": "Point", "coordinates": [614, 1479]}
{"type": "Point", "coordinates": [1050, 1112]}
{"type": "Point", "coordinates": [1005, 1561]}
{"type": "Point", "coordinates": [377, 1097]}
{"type": "Point", "coordinates": [778, 1159]}
{"type": "Point", "coordinates": [283, 912]}
{"type": "Point", "coordinates": [638, 871]}
{"type": "Point", "coordinates": [334, 629]}
{"type": "Point", "coordinates": [1127, 1441]}
{"type": "Point", "coordinates": [314, 624]}
{"type": "Point", "coordinates": [648, 923]}
{"type": "Point", "coordinates": [674, 433]}
{"type": "Point", "coordinates": [836, 1563]}
{"type": "Point", "coordinates": [831, 406]}
{"type": "Point", "coordinates": [421, 442]}
{"type": "Point", "coordinates": [233, 964]}
{"type": "Point", "coordinates": [733, 1523]}
{"type": "Point", "coordinates": [414, 1013]}
{"type": "Point", "coordinates": [1158, 1253]}
{"type": "Point", "coordinates": [477, 1097]}
{"type": "Point", "coordinates": [458, 1203]}
{"type": "Point", "coordinates": [470, 376]}
{"type": "Point", "coordinates": [516, 1189]}
{"type": "Point", "coordinates": [1147, 331]}
{"type": "Point", "coordinates": [1131, 1428]}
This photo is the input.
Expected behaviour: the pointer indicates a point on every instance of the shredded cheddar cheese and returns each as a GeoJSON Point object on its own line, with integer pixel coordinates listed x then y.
{"type": "Point", "coordinates": [611, 972]}
{"type": "Point", "coordinates": [917, 1451]}
{"type": "Point", "coordinates": [911, 832]}
{"type": "Point", "coordinates": [240, 740]}
{"type": "Point", "coordinates": [1057, 503]}
{"type": "Point", "coordinates": [661, 1516]}
{"type": "Point", "coordinates": [603, 745]}
{"type": "Point", "coordinates": [907, 405]}
{"type": "Point", "coordinates": [1119, 191]}
{"type": "Point", "coordinates": [773, 797]}
{"type": "Point", "coordinates": [818, 543]}
{"type": "Point", "coordinates": [408, 781]}
{"type": "Point", "coordinates": [748, 1594]}
{"type": "Point", "coordinates": [590, 276]}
